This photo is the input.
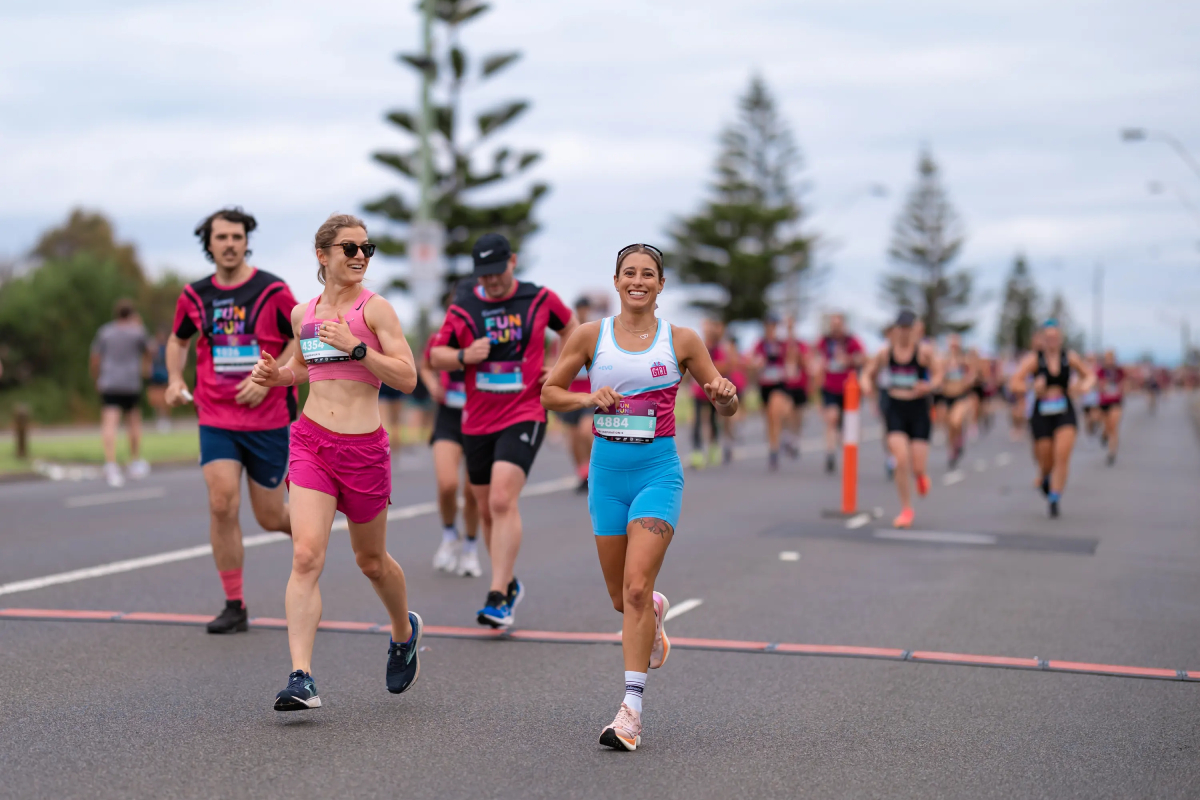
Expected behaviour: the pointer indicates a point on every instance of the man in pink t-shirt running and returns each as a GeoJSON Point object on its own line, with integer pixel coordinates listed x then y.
{"type": "Point", "coordinates": [838, 354]}
{"type": "Point", "coordinates": [496, 333]}
{"type": "Point", "coordinates": [238, 312]}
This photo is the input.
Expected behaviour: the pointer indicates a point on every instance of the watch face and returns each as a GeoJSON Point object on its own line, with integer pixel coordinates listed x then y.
{"type": "Point", "coordinates": [359, 352]}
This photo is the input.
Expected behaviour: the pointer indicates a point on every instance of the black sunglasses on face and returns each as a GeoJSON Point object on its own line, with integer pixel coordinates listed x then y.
{"type": "Point", "coordinates": [351, 249]}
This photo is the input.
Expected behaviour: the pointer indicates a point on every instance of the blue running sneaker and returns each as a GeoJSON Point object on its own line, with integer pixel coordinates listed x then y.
{"type": "Point", "coordinates": [516, 593]}
{"type": "Point", "coordinates": [300, 694]}
{"type": "Point", "coordinates": [497, 612]}
{"type": "Point", "coordinates": [404, 666]}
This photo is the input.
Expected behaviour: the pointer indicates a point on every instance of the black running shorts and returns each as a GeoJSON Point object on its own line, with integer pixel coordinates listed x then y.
{"type": "Point", "coordinates": [517, 444]}
{"type": "Point", "coordinates": [122, 400]}
{"type": "Point", "coordinates": [1043, 427]}
{"type": "Point", "coordinates": [910, 417]}
{"type": "Point", "coordinates": [447, 425]}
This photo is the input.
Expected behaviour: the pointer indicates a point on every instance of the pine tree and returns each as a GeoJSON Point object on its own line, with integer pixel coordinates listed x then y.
{"type": "Point", "coordinates": [926, 239]}
{"type": "Point", "coordinates": [457, 174]}
{"type": "Point", "coordinates": [746, 238]}
{"type": "Point", "coordinates": [1018, 309]}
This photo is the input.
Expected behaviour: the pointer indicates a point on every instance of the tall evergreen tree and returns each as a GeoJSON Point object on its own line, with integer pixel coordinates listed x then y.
{"type": "Point", "coordinates": [926, 239]}
{"type": "Point", "coordinates": [746, 239]}
{"type": "Point", "coordinates": [1018, 309]}
{"type": "Point", "coordinates": [456, 146]}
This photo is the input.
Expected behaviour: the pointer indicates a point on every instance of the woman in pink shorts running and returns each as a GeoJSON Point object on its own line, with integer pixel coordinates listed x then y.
{"type": "Point", "coordinates": [350, 341]}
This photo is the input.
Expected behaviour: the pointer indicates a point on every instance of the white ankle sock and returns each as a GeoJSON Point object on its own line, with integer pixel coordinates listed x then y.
{"type": "Point", "coordinates": [468, 545]}
{"type": "Point", "coordinates": [635, 684]}
{"type": "Point", "coordinates": [449, 534]}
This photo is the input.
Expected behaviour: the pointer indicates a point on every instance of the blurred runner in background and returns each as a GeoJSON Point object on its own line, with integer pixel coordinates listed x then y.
{"type": "Point", "coordinates": [120, 354]}
{"type": "Point", "coordinates": [838, 354]}
{"type": "Point", "coordinates": [156, 393]}
{"type": "Point", "coordinates": [578, 423]}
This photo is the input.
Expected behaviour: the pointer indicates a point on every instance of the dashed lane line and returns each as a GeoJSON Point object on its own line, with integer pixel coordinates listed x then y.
{"type": "Point", "coordinates": [1003, 460]}
{"type": "Point", "coordinates": [201, 551]}
{"type": "Point", "coordinates": [858, 520]}
{"type": "Point", "coordinates": [108, 498]}
{"type": "Point", "coordinates": [951, 478]}
{"type": "Point", "coordinates": [682, 608]}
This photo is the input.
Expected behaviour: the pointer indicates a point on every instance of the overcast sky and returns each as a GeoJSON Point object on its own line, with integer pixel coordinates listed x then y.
{"type": "Point", "coordinates": [158, 112]}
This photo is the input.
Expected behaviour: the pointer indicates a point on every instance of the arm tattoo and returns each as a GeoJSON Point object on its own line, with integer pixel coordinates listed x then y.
{"type": "Point", "coordinates": [655, 526]}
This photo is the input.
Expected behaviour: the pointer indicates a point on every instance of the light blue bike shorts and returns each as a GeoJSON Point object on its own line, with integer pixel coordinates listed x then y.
{"type": "Point", "coordinates": [628, 481]}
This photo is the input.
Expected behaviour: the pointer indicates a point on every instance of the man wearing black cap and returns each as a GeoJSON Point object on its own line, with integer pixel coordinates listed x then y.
{"type": "Point", "coordinates": [913, 372]}
{"type": "Point", "coordinates": [496, 333]}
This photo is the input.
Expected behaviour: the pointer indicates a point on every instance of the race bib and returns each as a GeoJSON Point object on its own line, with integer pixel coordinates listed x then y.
{"type": "Point", "coordinates": [501, 377]}
{"type": "Point", "coordinates": [234, 354]}
{"type": "Point", "coordinates": [456, 395]}
{"type": "Point", "coordinates": [955, 374]}
{"type": "Point", "coordinates": [836, 365]}
{"type": "Point", "coordinates": [903, 379]}
{"type": "Point", "coordinates": [1052, 406]}
{"type": "Point", "coordinates": [632, 419]}
{"type": "Point", "coordinates": [772, 373]}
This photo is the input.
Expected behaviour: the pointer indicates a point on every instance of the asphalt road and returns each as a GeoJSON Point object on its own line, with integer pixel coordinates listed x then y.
{"type": "Point", "coordinates": [111, 709]}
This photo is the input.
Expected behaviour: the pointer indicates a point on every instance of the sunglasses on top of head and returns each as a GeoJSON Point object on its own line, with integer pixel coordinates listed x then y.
{"type": "Point", "coordinates": [629, 247]}
{"type": "Point", "coordinates": [351, 249]}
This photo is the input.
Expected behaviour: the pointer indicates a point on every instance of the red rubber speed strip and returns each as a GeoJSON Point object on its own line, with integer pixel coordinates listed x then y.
{"type": "Point", "coordinates": [727, 645]}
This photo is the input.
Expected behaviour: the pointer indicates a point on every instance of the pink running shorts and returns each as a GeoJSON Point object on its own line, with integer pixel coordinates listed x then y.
{"type": "Point", "coordinates": [355, 468]}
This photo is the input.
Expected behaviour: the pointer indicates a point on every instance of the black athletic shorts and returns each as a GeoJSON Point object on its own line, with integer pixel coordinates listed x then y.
{"type": "Point", "coordinates": [764, 392]}
{"type": "Point", "coordinates": [122, 400]}
{"type": "Point", "coordinates": [517, 444]}
{"type": "Point", "coordinates": [1043, 427]}
{"type": "Point", "coordinates": [1104, 407]}
{"type": "Point", "coordinates": [447, 424]}
{"type": "Point", "coordinates": [572, 418]}
{"type": "Point", "coordinates": [829, 398]}
{"type": "Point", "coordinates": [799, 396]}
{"type": "Point", "coordinates": [910, 417]}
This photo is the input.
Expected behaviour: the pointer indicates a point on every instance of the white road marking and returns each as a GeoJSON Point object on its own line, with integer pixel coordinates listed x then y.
{"type": "Point", "coordinates": [951, 478]}
{"type": "Point", "coordinates": [788, 555]}
{"type": "Point", "coordinates": [1003, 460]}
{"type": "Point", "coordinates": [200, 551]}
{"type": "Point", "coordinates": [858, 520]}
{"type": "Point", "coordinates": [936, 537]}
{"type": "Point", "coordinates": [682, 608]}
{"type": "Point", "coordinates": [980, 464]}
{"type": "Point", "coordinates": [83, 500]}
{"type": "Point", "coordinates": [132, 564]}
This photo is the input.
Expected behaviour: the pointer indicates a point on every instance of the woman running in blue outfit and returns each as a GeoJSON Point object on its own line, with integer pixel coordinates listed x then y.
{"type": "Point", "coordinates": [635, 480]}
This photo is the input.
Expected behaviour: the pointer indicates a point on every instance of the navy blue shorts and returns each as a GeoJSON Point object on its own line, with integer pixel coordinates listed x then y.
{"type": "Point", "coordinates": [264, 454]}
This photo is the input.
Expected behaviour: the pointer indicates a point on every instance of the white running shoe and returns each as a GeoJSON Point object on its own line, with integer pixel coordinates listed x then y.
{"type": "Point", "coordinates": [113, 476]}
{"type": "Point", "coordinates": [662, 645]}
{"type": "Point", "coordinates": [625, 732]}
{"type": "Point", "coordinates": [139, 469]}
{"type": "Point", "coordinates": [446, 556]}
{"type": "Point", "coordinates": [468, 565]}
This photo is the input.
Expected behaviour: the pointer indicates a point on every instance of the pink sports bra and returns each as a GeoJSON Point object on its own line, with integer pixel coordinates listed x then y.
{"type": "Point", "coordinates": [327, 363]}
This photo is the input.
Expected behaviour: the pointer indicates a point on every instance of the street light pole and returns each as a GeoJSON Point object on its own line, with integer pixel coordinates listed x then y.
{"type": "Point", "coordinates": [1142, 134]}
{"type": "Point", "coordinates": [425, 122]}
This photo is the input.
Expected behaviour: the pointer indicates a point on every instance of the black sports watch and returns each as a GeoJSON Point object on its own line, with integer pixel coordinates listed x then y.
{"type": "Point", "coordinates": [461, 360]}
{"type": "Point", "coordinates": [359, 352]}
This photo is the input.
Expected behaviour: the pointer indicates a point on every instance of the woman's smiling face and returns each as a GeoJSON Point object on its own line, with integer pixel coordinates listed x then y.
{"type": "Point", "coordinates": [638, 281]}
